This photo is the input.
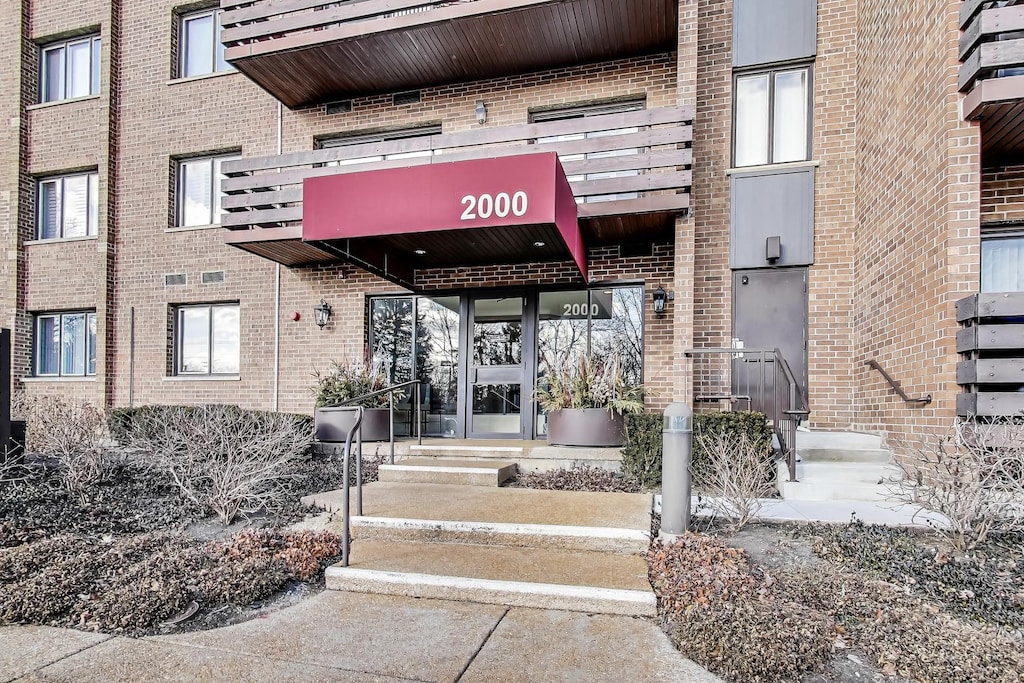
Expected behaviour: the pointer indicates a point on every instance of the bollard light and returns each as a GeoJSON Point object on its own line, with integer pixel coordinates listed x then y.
{"type": "Point", "coordinates": [676, 454]}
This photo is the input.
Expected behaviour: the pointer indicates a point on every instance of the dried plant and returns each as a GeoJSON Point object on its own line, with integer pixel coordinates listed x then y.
{"type": "Point", "coordinates": [342, 382]}
{"type": "Point", "coordinates": [972, 474]}
{"type": "Point", "coordinates": [739, 473]}
{"type": "Point", "coordinates": [222, 458]}
{"type": "Point", "coordinates": [73, 433]}
{"type": "Point", "coordinates": [590, 383]}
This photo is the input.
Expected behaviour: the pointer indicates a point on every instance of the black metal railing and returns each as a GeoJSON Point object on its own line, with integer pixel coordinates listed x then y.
{"type": "Point", "coordinates": [915, 400]}
{"type": "Point", "coordinates": [346, 515]}
{"type": "Point", "coordinates": [762, 380]}
{"type": "Point", "coordinates": [391, 390]}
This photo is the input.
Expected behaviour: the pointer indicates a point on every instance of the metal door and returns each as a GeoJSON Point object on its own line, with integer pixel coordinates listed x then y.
{"type": "Point", "coordinates": [496, 356]}
{"type": "Point", "coordinates": [769, 311]}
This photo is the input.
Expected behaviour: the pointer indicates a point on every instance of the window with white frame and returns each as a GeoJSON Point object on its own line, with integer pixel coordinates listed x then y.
{"type": "Point", "coordinates": [199, 47]}
{"type": "Point", "coordinates": [70, 69]}
{"type": "Point", "coordinates": [206, 339]}
{"type": "Point", "coordinates": [384, 136]}
{"type": "Point", "coordinates": [65, 344]}
{"type": "Point", "coordinates": [199, 195]}
{"type": "Point", "coordinates": [67, 206]}
{"type": "Point", "coordinates": [583, 112]}
{"type": "Point", "coordinates": [772, 117]}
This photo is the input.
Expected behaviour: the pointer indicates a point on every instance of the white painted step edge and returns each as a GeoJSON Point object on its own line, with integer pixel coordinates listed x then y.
{"type": "Point", "coordinates": [469, 469]}
{"type": "Point", "coordinates": [634, 602]}
{"type": "Point", "coordinates": [548, 530]}
{"type": "Point", "coordinates": [468, 449]}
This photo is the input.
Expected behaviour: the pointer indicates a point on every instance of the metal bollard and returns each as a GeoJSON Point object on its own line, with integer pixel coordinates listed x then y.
{"type": "Point", "coordinates": [676, 453]}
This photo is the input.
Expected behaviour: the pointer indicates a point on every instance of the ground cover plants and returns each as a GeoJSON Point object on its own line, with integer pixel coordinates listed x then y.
{"type": "Point", "coordinates": [117, 524]}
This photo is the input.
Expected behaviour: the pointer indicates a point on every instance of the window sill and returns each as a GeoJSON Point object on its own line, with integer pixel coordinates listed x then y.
{"type": "Point", "coordinates": [33, 380]}
{"type": "Point", "coordinates": [190, 228]}
{"type": "Point", "coordinates": [772, 167]}
{"type": "Point", "coordinates": [57, 103]}
{"type": "Point", "coordinates": [201, 77]}
{"type": "Point", "coordinates": [58, 240]}
{"type": "Point", "coordinates": [202, 378]}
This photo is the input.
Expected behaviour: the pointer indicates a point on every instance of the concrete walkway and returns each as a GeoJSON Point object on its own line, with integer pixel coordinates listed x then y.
{"type": "Point", "coordinates": [358, 637]}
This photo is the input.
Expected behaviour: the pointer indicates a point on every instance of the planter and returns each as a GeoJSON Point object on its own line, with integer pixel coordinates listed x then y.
{"type": "Point", "coordinates": [595, 427]}
{"type": "Point", "coordinates": [332, 424]}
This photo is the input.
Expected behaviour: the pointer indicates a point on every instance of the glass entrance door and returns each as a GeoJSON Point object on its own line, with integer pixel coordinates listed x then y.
{"type": "Point", "coordinates": [496, 368]}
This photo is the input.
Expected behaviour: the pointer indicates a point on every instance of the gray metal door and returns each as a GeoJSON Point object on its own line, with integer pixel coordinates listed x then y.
{"type": "Point", "coordinates": [769, 311]}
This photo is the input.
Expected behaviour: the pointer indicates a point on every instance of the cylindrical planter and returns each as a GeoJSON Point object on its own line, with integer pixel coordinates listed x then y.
{"type": "Point", "coordinates": [332, 424]}
{"type": "Point", "coordinates": [594, 427]}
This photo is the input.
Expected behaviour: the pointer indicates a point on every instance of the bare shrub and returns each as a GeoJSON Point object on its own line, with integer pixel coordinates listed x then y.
{"type": "Point", "coordinates": [738, 473]}
{"type": "Point", "coordinates": [73, 433]}
{"type": "Point", "coordinates": [973, 474]}
{"type": "Point", "coordinates": [579, 477]}
{"type": "Point", "coordinates": [227, 460]}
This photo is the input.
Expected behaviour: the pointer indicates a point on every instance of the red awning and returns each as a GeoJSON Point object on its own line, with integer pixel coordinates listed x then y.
{"type": "Point", "coordinates": [516, 209]}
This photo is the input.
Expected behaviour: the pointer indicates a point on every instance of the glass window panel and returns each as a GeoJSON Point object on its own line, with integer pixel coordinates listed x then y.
{"type": "Point", "coordinates": [1002, 265]}
{"type": "Point", "coordinates": [194, 340]}
{"type": "Point", "coordinates": [196, 184]}
{"type": "Point", "coordinates": [751, 129]}
{"type": "Point", "coordinates": [53, 74]}
{"type": "Point", "coordinates": [222, 65]}
{"type": "Point", "coordinates": [73, 351]}
{"type": "Point", "coordinates": [496, 409]}
{"type": "Point", "coordinates": [198, 48]}
{"type": "Point", "coordinates": [498, 331]}
{"type": "Point", "coordinates": [790, 125]}
{"type": "Point", "coordinates": [49, 209]}
{"type": "Point", "coordinates": [617, 329]}
{"type": "Point", "coordinates": [91, 343]}
{"type": "Point", "coordinates": [437, 362]}
{"type": "Point", "coordinates": [217, 192]}
{"type": "Point", "coordinates": [76, 206]}
{"type": "Point", "coordinates": [94, 203]}
{"type": "Point", "coordinates": [48, 345]}
{"type": "Point", "coordinates": [79, 68]}
{"type": "Point", "coordinates": [96, 58]}
{"type": "Point", "coordinates": [225, 340]}
{"type": "Point", "coordinates": [392, 327]}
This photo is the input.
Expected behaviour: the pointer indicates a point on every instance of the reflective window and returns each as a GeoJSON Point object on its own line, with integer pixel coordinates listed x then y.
{"type": "Point", "coordinates": [70, 69]}
{"type": "Point", "coordinates": [202, 52]}
{"type": "Point", "coordinates": [199, 195]}
{"type": "Point", "coordinates": [771, 124]}
{"type": "Point", "coordinates": [65, 344]}
{"type": "Point", "coordinates": [68, 206]}
{"type": "Point", "coordinates": [207, 340]}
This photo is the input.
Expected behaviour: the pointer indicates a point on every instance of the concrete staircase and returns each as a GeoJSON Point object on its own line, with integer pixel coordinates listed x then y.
{"type": "Point", "coordinates": [519, 547]}
{"type": "Point", "coordinates": [530, 456]}
{"type": "Point", "coordinates": [848, 466]}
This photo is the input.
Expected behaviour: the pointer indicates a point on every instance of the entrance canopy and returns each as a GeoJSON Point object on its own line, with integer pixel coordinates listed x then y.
{"type": "Point", "coordinates": [513, 209]}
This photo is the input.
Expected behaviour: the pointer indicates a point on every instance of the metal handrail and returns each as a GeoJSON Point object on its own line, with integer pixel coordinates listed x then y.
{"type": "Point", "coordinates": [346, 515]}
{"type": "Point", "coordinates": [391, 416]}
{"type": "Point", "coordinates": [920, 400]}
{"type": "Point", "coordinates": [784, 420]}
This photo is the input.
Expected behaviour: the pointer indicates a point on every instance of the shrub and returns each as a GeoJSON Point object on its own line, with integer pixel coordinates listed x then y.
{"type": "Point", "coordinates": [343, 382]}
{"type": "Point", "coordinates": [973, 474]}
{"type": "Point", "coordinates": [578, 478]}
{"type": "Point", "coordinates": [222, 458]}
{"type": "Point", "coordinates": [589, 383]}
{"type": "Point", "coordinates": [641, 454]}
{"type": "Point", "coordinates": [740, 473]}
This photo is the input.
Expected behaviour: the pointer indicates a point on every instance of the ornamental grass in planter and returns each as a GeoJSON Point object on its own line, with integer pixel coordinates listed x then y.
{"type": "Point", "coordinates": [585, 402]}
{"type": "Point", "coordinates": [344, 382]}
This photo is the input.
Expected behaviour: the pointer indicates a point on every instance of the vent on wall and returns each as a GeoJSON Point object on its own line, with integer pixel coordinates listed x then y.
{"type": "Point", "coordinates": [343, 107]}
{"type": "Point", "coordinates": [174, 280]}
{"type": "Point", "coordinates": [212, 277]}
{"type": "Point", "coordinates": [410, 97]}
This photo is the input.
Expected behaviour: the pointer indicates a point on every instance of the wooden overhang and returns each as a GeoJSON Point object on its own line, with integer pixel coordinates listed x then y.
{"type": "Point", "coordinates": [992, 76]}
{"type": "Point", "coordinates": [628, 188]}
{"type": "Point", "coordinates": [306, 52]}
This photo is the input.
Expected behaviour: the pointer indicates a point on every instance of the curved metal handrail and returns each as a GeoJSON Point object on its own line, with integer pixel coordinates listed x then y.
{"type": "Point", "coordinates": [391, 416]}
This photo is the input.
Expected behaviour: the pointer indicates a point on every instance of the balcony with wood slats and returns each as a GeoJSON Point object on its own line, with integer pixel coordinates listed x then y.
{"type": "Point", "coordinates": [991, 345]}
{"type": "Point", "coordinates": [992, 75]}
{"type": "Point", "coordinates": [306, 52]}
{"type": "Point", "coordinates": [629, 173]}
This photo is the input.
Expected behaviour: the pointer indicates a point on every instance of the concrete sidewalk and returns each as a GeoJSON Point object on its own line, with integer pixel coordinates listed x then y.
{"type": "Point", "coordinates": [356, 637]}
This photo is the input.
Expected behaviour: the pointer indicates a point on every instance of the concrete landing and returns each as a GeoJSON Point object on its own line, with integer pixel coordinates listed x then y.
{"type": "Point", "coordinates": [839, 466]}
{"type": "Point", "coordinates": [440, 471]}
{"type": "Point", "coordinates": [580, 581]}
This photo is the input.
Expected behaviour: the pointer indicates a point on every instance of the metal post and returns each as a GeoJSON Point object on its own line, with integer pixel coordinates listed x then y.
{"type": "Point", "coordinates": [676, 454]}
{"type": "Point", "coordinates": [391, 425]}
{"type": "Point", "coordinates": [359, 472]}
{"type": "Point", "coordinates": [5, 395]}
{"type": "Point", "coordinates": [419, 414]}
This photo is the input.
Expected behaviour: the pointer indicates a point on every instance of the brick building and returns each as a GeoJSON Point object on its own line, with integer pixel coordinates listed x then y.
{"type": "Point", "coordinates": [822, 177]}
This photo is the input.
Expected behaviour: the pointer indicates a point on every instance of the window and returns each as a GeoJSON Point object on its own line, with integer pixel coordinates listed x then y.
{"type": "Point", "coordinates": [70, 69]}
{"type": "Point", "coordinates": [386, 136]}
{"type": "Point", "coordinates": [1002, 263]}
{"type": "Point", "coordinates": [201, 51]}
{"type": "Point", "coordinates": [207, 340]}
{"type": "Point", "coordinates": [65, 344]}
{"type": "Point", "coordinates": [771, 119]}
{"type": "Point", "coordinates": [68, 206]}
{"type": "Point", "coordinates": [582, 112]}
{"type": "Point", "coordinates": [199, 194]}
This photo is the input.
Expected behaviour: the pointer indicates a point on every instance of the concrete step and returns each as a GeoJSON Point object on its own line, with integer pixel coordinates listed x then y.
{"type": "Point", "coordinates": [545, 578]}
{"type": "Point", "coordinates": [859, 455]}
{"type": "Point", "coordinates": [845, 472]}
{"type": "Point", "coordinates": [832, 491]}
{"type": "Point", "coordinates": [816, 439]}
{"type": "Point", "coordinates": [438, 471]}
{"type": "Point", "coordinates": [536, 456]}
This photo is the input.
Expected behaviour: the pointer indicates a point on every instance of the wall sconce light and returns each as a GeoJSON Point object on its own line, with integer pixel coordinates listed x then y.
{"type": "Point", "coordinates": [481, 112]}
{"type": "Point", "coordinates": [660, 299]}
{"type": "Point", "coordinates": [323, 313]}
